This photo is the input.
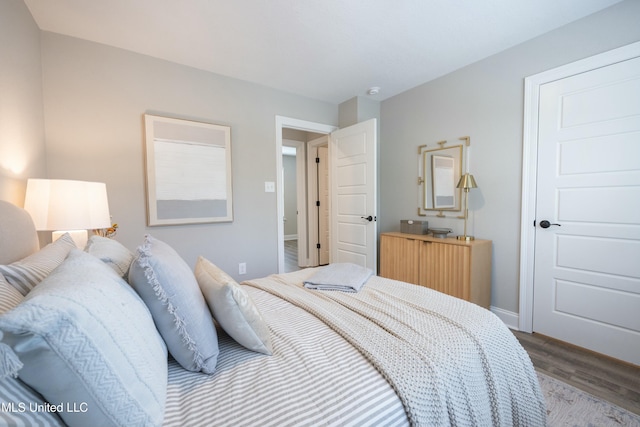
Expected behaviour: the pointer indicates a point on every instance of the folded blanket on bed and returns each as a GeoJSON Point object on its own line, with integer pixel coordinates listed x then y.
{"type": "Point", "coordinates": [451, 362]}
{"type": "Point", "coordinates": [345, 277]}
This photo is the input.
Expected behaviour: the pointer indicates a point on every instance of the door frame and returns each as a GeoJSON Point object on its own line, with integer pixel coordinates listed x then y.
{"type": "Point", "coordinates": [312, 189]}
{"type": "Point", "coordinates": [530, 164]}
{"type": "Point", "coordinates": [289, 123]}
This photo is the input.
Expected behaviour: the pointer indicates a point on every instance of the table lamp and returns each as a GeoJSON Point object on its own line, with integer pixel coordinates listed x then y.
{"type": "Point", "coordinates": [466, 182]}
{"type": "Point", "coordinates": [66, 206]}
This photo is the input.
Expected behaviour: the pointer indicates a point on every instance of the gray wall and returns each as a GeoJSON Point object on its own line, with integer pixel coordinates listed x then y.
{"type": "Point", "coordinates": [485, 101]}
{"type": "Point", "coordinates": [94, 100]}
{"type": "Point", "coordinates": [90, 100]}
{"type": "Point", "coordinates": [22, 150]}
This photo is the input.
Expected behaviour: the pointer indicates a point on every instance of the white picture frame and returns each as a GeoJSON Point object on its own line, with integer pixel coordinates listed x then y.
{"type": "Point", "coordinates": [188, 171]}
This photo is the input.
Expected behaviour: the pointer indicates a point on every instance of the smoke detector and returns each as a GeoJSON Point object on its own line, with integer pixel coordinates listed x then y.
{"type": "Point", "coordinates": [373, 90]}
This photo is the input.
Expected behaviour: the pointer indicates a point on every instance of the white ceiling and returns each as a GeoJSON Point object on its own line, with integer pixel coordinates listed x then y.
{"type": "Point", "coordinates": [330, 50]}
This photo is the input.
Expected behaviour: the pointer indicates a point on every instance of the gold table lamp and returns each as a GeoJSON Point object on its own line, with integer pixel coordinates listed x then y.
{"type": "Point", "coordinates": [467, 182]}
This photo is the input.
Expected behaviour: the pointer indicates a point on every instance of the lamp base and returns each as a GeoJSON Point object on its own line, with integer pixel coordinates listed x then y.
{"type": "Point", "coordinates": [467, 238]}
{"type": "Point", "coordinates": [80, 237]}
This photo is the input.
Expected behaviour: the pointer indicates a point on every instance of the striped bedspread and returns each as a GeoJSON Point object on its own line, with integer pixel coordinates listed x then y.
{"type": "Point", "coordinates": [313, 378]}
{"type": "Point", "coordinates": [393, 354]}
{"type": "Point", "coordinates": [451, 362]}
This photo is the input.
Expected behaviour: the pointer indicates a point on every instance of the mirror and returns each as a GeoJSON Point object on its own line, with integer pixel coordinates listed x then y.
{"type": "Point", "coordinates": [442, 171]}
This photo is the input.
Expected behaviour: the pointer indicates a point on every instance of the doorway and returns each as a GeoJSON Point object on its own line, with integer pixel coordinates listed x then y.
{"type": "Point", "coordinates": [287, 130]}
{"type": "Point", "coordinates": [353, 195]}
{"type": "Point", "coordinates": [306, 199]}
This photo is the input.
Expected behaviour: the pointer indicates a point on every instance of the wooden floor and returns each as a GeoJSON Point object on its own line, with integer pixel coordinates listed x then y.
{"type": "Point", "coordinates": [606, 378]}
{"type": "Point", "coordinates": [291, 256]}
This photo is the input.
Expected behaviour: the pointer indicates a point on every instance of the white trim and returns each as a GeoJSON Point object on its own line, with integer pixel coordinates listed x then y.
{"type": "Point", "coordinates": [312, 197]}
{"type": "Point", "coordinates": [509, 318]}
{"type": "Point", "coordinates": [528, 209]}
{"type": "Point", "coordinates": [289, 123]}
{"type": "Point", "coordinates": [312, 191]}
{"type": "Point", "coordinates": [529, 163]}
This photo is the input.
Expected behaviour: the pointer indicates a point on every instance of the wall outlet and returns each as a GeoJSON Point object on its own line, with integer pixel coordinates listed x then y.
{"type": "Point", "coordinates": [242, 268]}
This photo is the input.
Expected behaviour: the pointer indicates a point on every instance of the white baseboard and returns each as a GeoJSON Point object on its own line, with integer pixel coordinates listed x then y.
{"type": "Point", "coordinates": [509, 318]}
{"type": "Point", "coordinates": [290, 237]}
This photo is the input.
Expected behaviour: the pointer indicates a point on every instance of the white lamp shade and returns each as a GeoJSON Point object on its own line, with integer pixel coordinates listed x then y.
{"type": "Point", "coordinates": [57, 204]}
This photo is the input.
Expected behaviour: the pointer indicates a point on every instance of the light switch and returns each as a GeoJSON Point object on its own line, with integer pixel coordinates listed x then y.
{"type": "Point", "coordinates": [269, 187]}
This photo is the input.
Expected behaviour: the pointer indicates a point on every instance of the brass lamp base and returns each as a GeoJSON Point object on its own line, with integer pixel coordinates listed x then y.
{"type": "Point", "coordinates": [466, 182]}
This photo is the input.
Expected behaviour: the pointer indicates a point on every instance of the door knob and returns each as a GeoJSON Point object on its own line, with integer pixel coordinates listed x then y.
{"type": "Point", "coordinates": [546, 224]}
{"type": "Point", "coordinates": [368, 218]}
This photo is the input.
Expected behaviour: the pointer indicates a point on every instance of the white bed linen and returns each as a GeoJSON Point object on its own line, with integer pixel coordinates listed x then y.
{"type": "Point", "coordinates": [451, 362]}
{"type": "Point", "coordinates": [314, 377]}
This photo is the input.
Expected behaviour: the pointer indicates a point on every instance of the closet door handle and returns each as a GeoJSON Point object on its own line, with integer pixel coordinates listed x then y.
{"type": "Point", "coordinates": [546, 224]}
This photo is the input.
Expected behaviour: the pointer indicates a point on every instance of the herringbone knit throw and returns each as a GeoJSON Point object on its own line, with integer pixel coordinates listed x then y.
{"type": "Point", "coordinates": [451, 363]}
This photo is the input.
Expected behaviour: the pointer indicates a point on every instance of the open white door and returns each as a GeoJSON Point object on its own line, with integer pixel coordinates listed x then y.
{"type": "Point", "coordinates": [352, 154]}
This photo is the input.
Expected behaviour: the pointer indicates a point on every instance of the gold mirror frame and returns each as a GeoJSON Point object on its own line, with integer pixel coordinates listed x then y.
{"type": "Point", "coordinates": [450, 199]}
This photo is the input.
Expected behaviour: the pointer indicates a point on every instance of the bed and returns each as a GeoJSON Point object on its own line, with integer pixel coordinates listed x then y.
{"type": "Point", "coordinates": [105, 336]}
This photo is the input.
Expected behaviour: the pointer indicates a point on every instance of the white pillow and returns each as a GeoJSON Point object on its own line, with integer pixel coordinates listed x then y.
{"type": "Point", "coordinates": [25, 274]}
{"type": "Point", "coordinates": [85, 339]}
{"type": "Point", "coordinates": [232, 307]}
{"type": "Point", "coordinates": [111, 252]}
{"type": "Point", "coordinates": [168, 287]}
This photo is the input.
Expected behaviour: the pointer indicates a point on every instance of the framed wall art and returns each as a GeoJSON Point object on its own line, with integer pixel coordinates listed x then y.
{"type": "Point", "coordinates": [188, 171]}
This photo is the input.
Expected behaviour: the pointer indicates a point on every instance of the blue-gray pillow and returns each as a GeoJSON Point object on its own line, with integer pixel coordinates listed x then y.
{"type": "Point", "coordinates": [167, 285]}
{"type": "Point", "coordinates": [111, 252]}
{"type": "Point", "coordinates": [86, 341]}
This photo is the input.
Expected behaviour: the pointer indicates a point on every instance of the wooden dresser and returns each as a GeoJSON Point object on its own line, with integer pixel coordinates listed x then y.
{"type": "Point", "coordinates": [451, 266]}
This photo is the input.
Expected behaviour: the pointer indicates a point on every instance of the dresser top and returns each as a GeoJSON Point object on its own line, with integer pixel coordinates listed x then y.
{"type": "Point", "coordinates": [430, 238]}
